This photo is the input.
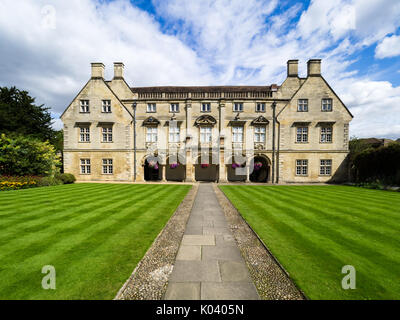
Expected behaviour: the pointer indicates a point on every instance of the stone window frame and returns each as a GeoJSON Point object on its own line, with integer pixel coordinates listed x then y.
{"type": "Point", "coordinates": [107, 133]}
{"type": "Point", "coordinates": [323, 105]}
{"type": "Point", "coordinates": [207, 134]}
{"type": "Point", "coordinates": [107, 166]}
{"type": "Point", "coordinates": [325, 167]}
{"type": "Point", "coordinates": [260, 134]}
{"type": "Point", "coordinates": [237, 134]}
{"type": "Point", "coordinates": [234, 107]}
{"type": "Point", "coordinates": [302, 105]}
{"type": "Point", "coordinates": [106, 106]}
{"type": "Point", "coordinates": [152, 134]}
{"type": "Point", "coordinates": [84, 106]}
{"type": "Point", "coordinates": [301, 167]}
{"type": "Point", "coordinates": [302, 134]}
{"type": "Point", "coordinates": [263, 109]}
{"type": "Point", "coordinates": [176, 134]}
{"type": "Point", "coordinates": [84, 132]}
{"type": "Point", "coordinates": [149, 110]}
{"type": "Point", "coordinates": [326, 134]}
{"type": "Point", "coordinates": [85, 166]}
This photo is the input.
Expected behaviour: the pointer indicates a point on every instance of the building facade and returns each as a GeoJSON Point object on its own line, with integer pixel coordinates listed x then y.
{"type": "Point", "coordinates": [295, 132]}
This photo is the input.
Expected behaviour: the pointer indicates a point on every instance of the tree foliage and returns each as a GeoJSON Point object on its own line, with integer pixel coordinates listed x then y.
{"type": "Point", "coordinates": [21, 155]}
{"type": "Point", "coordinates": [20, 115]}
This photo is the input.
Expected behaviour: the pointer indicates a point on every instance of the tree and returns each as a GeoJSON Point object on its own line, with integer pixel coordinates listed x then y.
{"type": "Point", "coordinates": [21, 155]}
{"type": "Point", "coordinates": [20, 115]}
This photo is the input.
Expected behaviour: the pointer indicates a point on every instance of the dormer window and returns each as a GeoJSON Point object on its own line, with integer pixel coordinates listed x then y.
{"type": "Point", "coordinates": [326, 105]}
{"type": "Point", "coordinates": [106, 108]}
{"type": "Point", "coordinates": [174, 107]}
{"type": "Point", "coordinates": [205, 107]}
{"type": "Point", "coordinates": [260, 107]}
{"type": "Point", "coordinates": [84, 106]}
{"type": "Point", "coordinates": [302, 105]}
{"type": "Point", "coordinates": [151, 107]}
{"type": "Point", "coordinates": [238, 107]}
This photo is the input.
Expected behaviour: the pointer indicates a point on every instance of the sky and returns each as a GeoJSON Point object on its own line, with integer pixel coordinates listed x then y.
{"type": "Point", "coordinates": [46, 48]}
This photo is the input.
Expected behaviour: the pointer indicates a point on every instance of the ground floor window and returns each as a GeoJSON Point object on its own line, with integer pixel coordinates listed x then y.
{"type": "Point", "coordinates": [325, 168]}
{"type": "Point", "coordinates": [301, 167]}
{"type": "Point", "coordinates": [85, 166]}
{"type": "Point", "coordinates": [108, 166]}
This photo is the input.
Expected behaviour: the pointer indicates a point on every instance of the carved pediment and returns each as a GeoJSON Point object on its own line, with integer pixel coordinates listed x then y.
{"type": "Point", "coordinates": [261, 120]}
{"type": "Point", "coordinates": [205, 120]}
{"type": "Point", "coordinates": [151, 121]}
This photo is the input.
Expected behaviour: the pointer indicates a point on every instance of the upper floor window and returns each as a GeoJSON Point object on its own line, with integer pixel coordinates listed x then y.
{"type": "Point", "coordinates": [302, 134]}
{"type": "Point", "coordinates": [259, 134]}
{"type": "Point", "coordinates": [238, 107]}
{"type": "Point", "coordinates": [174, 134]}
{"type": "Point", "coordinates": [205, 107]}
{"type": "Point", "coordinates": [151, 107]}
{"type": "Point", "coordinates": [326, 134]}
{"type": "Point", "coordinates": [85, 166]}
{"type": "Point", "coordinates": [325, 168]}
{"type": "Point", "coordinates": [237, 134]}
{"type": "Point", "coordinates": [107, 134]}
{"type": "Point", "coordinates": [106, 106]}
{"type": "Point", "coordinates": [84, 134]}
{"type": "Point", "coordinates": [174, 107]}
{"type": "Point", "coordinates": [84, 106]}
{"type": "Point", "coordinates": [205, 134]}
{"type": "Point", "coordinates": [108, 166]}
{"type": "Point", "coordinates": [151, 135]}
{"type": "Point", "coordinates": [260, 107]}
{"type": "Point", "coordinates": [302, 105]}
{"type": "Point", "coordinates": [326, 104]}
{"type": "Point", "coordinates": [301, 167]}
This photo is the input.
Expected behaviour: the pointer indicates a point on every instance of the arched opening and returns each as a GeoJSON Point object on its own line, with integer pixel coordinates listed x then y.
{"type": "Point", "coordinates": [261, 169]}
{"type": "Point", "coordinates": [152, 170]}
{"type": "Point", "coordinates": [236, 169]}
{"type": "Point", "coordinates": [205, 170]}
{"type": "Point", "coordinates": [175, 171]}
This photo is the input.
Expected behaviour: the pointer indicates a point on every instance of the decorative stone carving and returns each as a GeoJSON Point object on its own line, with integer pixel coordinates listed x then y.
{"type": "Point", "coordinates": [205, 120]}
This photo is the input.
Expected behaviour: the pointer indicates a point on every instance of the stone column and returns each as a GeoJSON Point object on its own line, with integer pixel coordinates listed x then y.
{"type": "Point", "coordinates": [248, 172]}
{"type": "Point", "coordinates": [222, 166]}
{"type": "Point", "coordinates": [188, 144]}
{"type": "Point", "coordinates": [164, 172]}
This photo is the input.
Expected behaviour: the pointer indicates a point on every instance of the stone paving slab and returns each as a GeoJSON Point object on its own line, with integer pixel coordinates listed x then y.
{"type": "Point", "coordinates": [228, 291]}
{"type": "Point", "coordinates": [231, 253]}
{"type": "Point", "coordinates": [195, 271]}
{"type": "Point", "coordinates": [189, 253]}
{"type": "Point", "coordinates": [183, 291]}
{"type": "Point", "coordinates": [198, 240]}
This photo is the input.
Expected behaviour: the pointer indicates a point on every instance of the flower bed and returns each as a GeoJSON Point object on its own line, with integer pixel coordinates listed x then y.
{"type": "Point", "coordinates": [15, 183]}
{"type": "Point", "coordinates": [153, 165]}
{"type": "Point", "coordinates": [258, 165]}
{"type": "Point", "coordinates": [174, 165]}
{"type": "Point", "coordinates": [204, 165]}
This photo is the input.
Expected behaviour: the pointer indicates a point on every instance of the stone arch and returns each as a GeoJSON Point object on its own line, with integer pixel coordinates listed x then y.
{"type": "Point", "coordinates": [209, 173]}
{"type": "Point", "coordinates": [236, 174]}
{"type": "Point", "coordinates": [152, 173]}
{"type": "Point", "coordinates": [174, 174]}
{"type": "Point", "coordinates": [262, 174]}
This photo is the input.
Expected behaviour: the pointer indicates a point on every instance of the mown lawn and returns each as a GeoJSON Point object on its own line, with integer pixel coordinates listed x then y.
{"type": "Point", "coordinates": [93, 234]}
{"type": "Point", "coordinates": [315, 230]}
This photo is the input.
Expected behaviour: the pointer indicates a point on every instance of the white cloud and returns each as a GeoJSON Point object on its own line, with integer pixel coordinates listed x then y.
{"type": "Point", "coordinates": [201, 42]}
{"type": "Point", "coordinates": [389, 47]}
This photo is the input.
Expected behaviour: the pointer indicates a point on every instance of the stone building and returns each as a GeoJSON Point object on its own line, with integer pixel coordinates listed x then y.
{"type": "Point", "coordinates": [213, 133]}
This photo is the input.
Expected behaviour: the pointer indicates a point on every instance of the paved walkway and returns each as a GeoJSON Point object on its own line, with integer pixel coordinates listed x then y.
{"type": "Point", "coordinates": [209, 265]}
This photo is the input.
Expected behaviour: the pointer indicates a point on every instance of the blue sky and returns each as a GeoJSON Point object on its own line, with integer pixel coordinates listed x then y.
{"type": "Point", "coordinates": [46, 47]}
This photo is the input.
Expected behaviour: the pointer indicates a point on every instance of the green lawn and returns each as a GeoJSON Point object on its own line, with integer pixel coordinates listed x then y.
{"type": "Point", "coordinates": [315, 230]}
{"type": "Point", "coordinates": [93, 234]}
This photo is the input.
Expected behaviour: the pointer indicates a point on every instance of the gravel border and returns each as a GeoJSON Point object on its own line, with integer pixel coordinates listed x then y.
{"type": "Point", "coordinates": [149, 280]}
{"type": "Point", "coordinates": [270, 278]}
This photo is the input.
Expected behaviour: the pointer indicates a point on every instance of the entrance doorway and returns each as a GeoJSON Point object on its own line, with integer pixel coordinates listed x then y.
{"type": "Point", "coordinates": [261, 169]}
{"type": "Point", "coordinates": [152, 171]}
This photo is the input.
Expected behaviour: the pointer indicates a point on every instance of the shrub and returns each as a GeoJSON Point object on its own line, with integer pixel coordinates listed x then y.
{"type": "Point", "coordinates": [66, 178]}
{"type": "Point", "coordinates": [49, 181]}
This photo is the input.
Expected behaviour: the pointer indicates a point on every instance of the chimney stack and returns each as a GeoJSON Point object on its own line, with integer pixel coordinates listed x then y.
{"type": "Point", "coordinates": [97, 70]}
{"type": "Point", "coordinates": [314, 67]}
{"type": "Point", "coordinates": [118, 70]}
{"type": "Point", "coordinates": [293, 68]}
